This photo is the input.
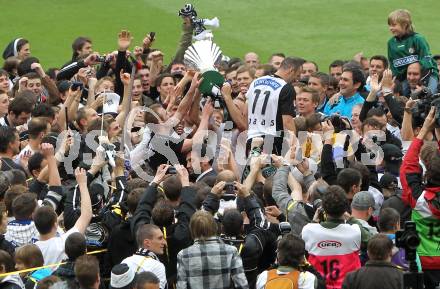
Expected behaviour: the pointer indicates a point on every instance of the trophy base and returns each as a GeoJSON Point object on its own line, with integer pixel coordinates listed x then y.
{"type": "Point", "coordinates": [211, 79]}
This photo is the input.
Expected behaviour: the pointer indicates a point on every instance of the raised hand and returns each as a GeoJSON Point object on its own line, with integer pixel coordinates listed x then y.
{"type": "Point", "coordinates": [47, 150]}
{"type": "Point", "coordinates": [195, 82]}
{"type": "Point", "coordinates": [241, 190]}
{"type": "Point", "coordinates": [272, 211]}
{"type": "Point", "coordinates": [387, 80]}
{"type": "Point", "coordinates": [24, 158]}
{"type": "Point", "coordinates": [91, 59]}
{"type": "Point", "coordinates": [183, 175]}
{"type": "Point", "coordinates": [208, 108]}
{"type": "Point", "coordinates": [146, 43]}
{"type": "Point", "coordinates": [125, 78]}
{"type": "Point", "coordinates": [226, 90]}
{"type": "Point", "coordinates": [277, 161]}
{"type": "Point", "coordinates": [374, 83]}
{"type": "Point", "coordinates": [160, 173]}
{"type": "Point", "coordinates": [157, 56]}
{"type": "Point", "coordinates": [38, 69]}
{"type": "Point", "coordinates": [430, 120]}
{"type": "Point", "coordinates": [22, 83]}
{"type": "Point", "coordinates": [218, 189]}
{"type": "Point", "coordinates": [81, 176]}
{"type": "Point", "coordinates": [124, 40]}
{"type": "Point", "coordinates": [327, 127]}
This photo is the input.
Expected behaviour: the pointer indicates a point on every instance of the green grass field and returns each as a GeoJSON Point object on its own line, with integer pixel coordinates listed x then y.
{"type": "Point", "coordinates": [320, 30]}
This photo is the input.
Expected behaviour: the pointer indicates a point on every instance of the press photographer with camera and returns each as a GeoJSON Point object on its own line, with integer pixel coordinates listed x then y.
{"type": "Point", "coordinates": [172, 215]}
{"type": "Point", "coordinates": [424, 199]}
{"type": "Point", "coordinates": [256, 237]}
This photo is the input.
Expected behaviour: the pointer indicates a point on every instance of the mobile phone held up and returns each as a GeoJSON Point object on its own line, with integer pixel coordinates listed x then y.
{"type": "Point", "coordinates": [152, 35]}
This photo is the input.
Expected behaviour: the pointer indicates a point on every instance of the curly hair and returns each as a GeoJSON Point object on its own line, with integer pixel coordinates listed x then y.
{"type": "Point", "coordinates": [334, 202]}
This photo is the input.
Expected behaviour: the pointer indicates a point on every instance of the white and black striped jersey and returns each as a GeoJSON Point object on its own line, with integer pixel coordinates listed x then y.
{"type": "Point", "coordinates": [268, 98]}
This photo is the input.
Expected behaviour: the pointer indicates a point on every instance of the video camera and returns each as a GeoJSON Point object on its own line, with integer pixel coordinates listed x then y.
{"type": "Point", "coordinates": [409, 240]}
{"type": "Point", "coordinates": [101, 58]}
{"type": "Point", "coordinates": [337, 122]}
{"type": "Point", "coordinates": [421, 110]}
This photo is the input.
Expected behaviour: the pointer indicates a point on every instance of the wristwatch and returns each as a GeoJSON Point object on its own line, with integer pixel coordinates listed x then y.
{"type": "Point", "coordinates": [408, 110]}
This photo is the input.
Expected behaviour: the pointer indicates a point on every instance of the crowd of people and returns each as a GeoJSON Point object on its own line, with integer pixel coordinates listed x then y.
{"type": "Point", "coordinates": [117, 172]}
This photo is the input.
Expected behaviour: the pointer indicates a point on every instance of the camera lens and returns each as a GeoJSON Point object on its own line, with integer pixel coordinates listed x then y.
{"type": "Point", "coordinates": [412, 241]}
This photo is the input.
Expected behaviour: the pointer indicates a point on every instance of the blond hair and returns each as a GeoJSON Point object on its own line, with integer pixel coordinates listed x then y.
{"type": "Point", "coordinates": [402, 17]}
{"type": "Point", "coordinates": [202, 226]}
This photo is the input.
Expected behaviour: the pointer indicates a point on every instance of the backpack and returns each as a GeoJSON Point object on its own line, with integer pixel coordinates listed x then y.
{"type": "Point", "coordinates": [284, 281]}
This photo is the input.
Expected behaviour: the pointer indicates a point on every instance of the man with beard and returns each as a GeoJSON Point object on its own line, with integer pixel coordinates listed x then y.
{"type": "Point", "coordinates": [9, 147]}
{"type": "Point", "coordinates": [199, 163]}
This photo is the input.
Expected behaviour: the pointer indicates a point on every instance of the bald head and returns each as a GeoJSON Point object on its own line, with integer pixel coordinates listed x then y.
{"type": "Point", "coordinates": [413, 74]}
{"type": "Point", "coordinates": [251, 59]}
{"type": "Point", "coordinates": [226, 176]}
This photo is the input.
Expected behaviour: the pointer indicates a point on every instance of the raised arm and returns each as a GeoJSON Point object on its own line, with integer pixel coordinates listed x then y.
{"type": "Point", "coordinates": [142, 215]}
{"type": "Point", "coordinates": [125, 106]}
{"type": "Point", "coordinates": [55, 192]}
{"type": "Point", "coordinates": [411, 174]}
{"type": "Point", "coordinates": [407, 126]}
{"type": "Point", "coordinates": [72, 104]}
{"type": "Point", "coordinates": [237, 116]}
{"type": "Point", "coordinates": [86, 205]}
{"type": "Point", "coordinates": [70, 70]}
{"type": "Point", "coordinates": [48, 83]}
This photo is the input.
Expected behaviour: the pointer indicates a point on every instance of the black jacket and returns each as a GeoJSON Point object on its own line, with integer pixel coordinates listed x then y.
{"type": "Point", "coordinates": [258, 239]}
{"type": "Point", "coordinates": [6, 245]}
{"type": "Point", "coordinates": [121, 244]}
{"type": "Point", "coordinates": [103, 222]}
{"type": "Point", "coordinates": [66, 271]}
{"type": "Point", "coordinates": [375, 274]}
{"type": "Point", "coordinates": [69, 70]}
{"type": "Point", "coordinates": [178, 234]}
{"type": "Point", "coordinates": [394, 106]}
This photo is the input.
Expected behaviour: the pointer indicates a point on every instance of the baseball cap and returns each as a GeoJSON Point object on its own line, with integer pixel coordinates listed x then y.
{"type": "Point", "coordinates": [392, 157]}
{"type": "Point", "coordinates": [388, 181]}
{"type": "Point", "coordinates": [122, 277]}
{"type": "Point", "coordinates": [362, 201]}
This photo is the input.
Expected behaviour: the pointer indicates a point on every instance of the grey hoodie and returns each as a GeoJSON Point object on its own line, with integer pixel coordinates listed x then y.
{"type": "Point", "coordinates": [13, 282]}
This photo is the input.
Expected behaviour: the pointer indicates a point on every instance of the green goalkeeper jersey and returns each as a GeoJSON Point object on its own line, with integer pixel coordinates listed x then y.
{"type": "Point", "coordinates": [408, 49]}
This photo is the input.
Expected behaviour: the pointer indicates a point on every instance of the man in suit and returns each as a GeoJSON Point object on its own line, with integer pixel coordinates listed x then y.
{"type": "Point", "coordinates": [199, 163]}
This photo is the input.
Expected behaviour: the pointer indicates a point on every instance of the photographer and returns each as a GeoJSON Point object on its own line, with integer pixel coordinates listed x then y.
{"type": "Point", "coordinates": [173, 222]}
{"type": "Point", "coordinates": [424, 199]}
{"type": "Point", "coordinates": [253, 240]}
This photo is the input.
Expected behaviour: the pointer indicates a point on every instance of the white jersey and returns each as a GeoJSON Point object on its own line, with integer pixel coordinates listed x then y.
{"type": "Point", "coordinates": [262, 99]}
